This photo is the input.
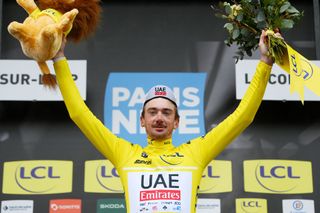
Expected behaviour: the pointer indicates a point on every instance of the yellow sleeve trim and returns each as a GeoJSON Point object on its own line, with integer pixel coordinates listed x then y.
{"type": "Point", "coordinates": [35, 13]}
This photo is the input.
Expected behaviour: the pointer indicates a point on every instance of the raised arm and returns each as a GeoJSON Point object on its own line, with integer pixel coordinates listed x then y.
{"type": "Point", "coordinates": [214, 142]}
{"type": "Point", "coordinates": [101, 137]}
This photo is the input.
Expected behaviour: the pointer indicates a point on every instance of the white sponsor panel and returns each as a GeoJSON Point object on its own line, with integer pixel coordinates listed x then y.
{"type": "Point", "coordinates": [298, 206]}
{"type": "Point", "coordinates": [20, 80]}
{"type": "Point", "coordinates": [208, 205]}
{"type": "Point", "coordinates": [17, 206]}
{"type": "Point", "coordinates": [279, 83]}
{"type": "Point", "coordinates": [160, 191]}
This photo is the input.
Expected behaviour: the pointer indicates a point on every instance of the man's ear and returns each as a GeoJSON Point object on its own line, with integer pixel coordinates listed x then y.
{"type": "Point", "coordinates": [176, 123]}
{"type": "Point", "coordinates": [142, 121]}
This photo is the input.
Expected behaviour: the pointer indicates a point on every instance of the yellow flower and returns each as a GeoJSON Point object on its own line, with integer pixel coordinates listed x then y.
{"type": "Point", "coordinates": [236, 8]}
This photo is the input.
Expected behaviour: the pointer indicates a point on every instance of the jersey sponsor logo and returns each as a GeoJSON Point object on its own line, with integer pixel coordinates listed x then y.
{"type": "Point", "coordinates": [158, 190]}
{"type": "Point", "coordinates": [147, 162]}
{"type": "Point", "coordinates": [172, 159]}
{"type": "Point", "coordinates": [160, 91]}
{"type": "Point", "coordinates": [101, 177]}
{"type": "Point", "coordinates": [65, 206]}
{"type": "Point", "coordinates": [144, 155]}
{"type": "Point", "coordinates": [251, 205]}
{"type": "Point", "coordinates": [217, 177]}
{"type": "Point", "coordinates": [278, 176]}
{"type": "Point", "coordinates": [159, 180]}
{"type": "Point", "coordinates": [160, 195]}
{"type": "Point", "coordinates": [37, 177]}
{"type": "Point", "coordinates": [124, 100]}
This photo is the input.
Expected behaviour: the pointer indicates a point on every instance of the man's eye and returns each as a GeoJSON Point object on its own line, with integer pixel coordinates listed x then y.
{"type": "Point", "coordinates": [152, 112]}
{"type": "Point", "coordinates": [167, 112]}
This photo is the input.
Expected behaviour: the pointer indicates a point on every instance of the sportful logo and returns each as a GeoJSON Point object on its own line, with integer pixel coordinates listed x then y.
{"type": "Point", "coordinates": [124, 100]}
{"type": "Point", "coordinates": [37, 177]}
{"type": "Point", "coordinates": [101, 176]}
{"type": "Point", "coordinates": [278, 176]}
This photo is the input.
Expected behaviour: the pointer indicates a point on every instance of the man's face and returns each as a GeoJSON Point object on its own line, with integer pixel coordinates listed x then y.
{"type": "Point", "coordinates": [159, 118]}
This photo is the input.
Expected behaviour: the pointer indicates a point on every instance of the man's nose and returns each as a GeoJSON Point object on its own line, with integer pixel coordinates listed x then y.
{"type": "Point", "coordinates": [159, 116]}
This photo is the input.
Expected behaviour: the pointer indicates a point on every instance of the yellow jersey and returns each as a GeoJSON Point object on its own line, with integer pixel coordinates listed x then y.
{"type": "Point", "coordinates": [161, 177]}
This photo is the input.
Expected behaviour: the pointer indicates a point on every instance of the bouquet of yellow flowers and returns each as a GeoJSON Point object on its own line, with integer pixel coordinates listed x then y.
{"type": "Point", "coordinates": [247, 18]}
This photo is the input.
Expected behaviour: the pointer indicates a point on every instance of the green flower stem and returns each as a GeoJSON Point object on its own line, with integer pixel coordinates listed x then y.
{"type": "Point", "coordinates": [241, 24]}
{"type": "Point", "coordinates": [277, 48]}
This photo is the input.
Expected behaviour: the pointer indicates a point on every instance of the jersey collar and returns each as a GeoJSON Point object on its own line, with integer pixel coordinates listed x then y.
{"type": "Point", "coordinates": [159, 143]}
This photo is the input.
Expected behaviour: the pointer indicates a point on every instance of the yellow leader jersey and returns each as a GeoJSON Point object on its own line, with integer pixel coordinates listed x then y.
{"type": "Point", "coordinates": [161, 177]}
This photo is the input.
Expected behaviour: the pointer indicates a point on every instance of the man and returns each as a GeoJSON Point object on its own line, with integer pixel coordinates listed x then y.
{"type": "Point", "coordinates": [161, 177]}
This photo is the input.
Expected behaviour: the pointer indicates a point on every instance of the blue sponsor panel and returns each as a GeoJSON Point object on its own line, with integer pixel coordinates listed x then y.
{"type": "Point", "coordinates": [124, 97]}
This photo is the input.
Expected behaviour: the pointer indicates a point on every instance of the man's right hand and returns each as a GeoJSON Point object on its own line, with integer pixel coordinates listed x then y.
{"type": "Point", "coordinates": [264, 51]}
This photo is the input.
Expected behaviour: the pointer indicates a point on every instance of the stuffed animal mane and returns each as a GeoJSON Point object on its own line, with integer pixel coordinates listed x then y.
{"type": "Point", "coordinates": [42, 32]}
{"type": "Point", "coordinates": [86, 21]}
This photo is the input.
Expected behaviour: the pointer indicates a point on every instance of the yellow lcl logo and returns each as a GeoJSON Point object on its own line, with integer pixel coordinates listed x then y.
{"type": "Point", "coordinates": [278, 176]}
{"type": "Point", "coordinates": [217, 177]}
{"type": "Point", "coordinates": [101, 177]}
{"type": "Point", "coordinates": [37, 177]}
{"type": "Point", "coordinates": [251, 205]}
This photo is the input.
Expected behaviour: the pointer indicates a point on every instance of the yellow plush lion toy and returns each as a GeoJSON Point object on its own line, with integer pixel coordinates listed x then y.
{"type": "Point", "coordinates": [41, 33]}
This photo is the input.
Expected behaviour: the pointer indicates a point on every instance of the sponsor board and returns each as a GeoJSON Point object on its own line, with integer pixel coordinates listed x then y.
{"type": "Point", "coordinates": [111, 205]}
{"type": "Point", "coordinates": [298, 206]}
{"type": "Point", "coordinates": [251, 205]}
{"type": "Point", "coordinates": [20, 80]}
{"type": "Point", "coordinates": [160, 191]}
{"type": "Point", "coordinates": [65, 206]}
{"type": "Point", "coordinates": [17, 206]}
{"type": "Point", "coordinates": [124, 100]}
{"type": "Point", "coordinates": [101, 177]}
{"type": "Point", "coordinates": [278, 176]}
{"type": "Point", "coordinates": [279, 82]}
{"type": "Point", "coordinates": [37, 177]}
{"type": "Point", "coordinates": [208, 205]}
{"type": "Point", "coordinates": [217, 177]}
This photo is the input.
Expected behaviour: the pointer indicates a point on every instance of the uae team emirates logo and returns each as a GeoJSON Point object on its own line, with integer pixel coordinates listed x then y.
{"type": "Point", "coordinates": [160, 91]}
{"type": "Point", "coordinates": [160, 195]}
{"type": "Point", "coordinates": [160, 187]}
{"type": "Point", "coordinates": [163, 191]}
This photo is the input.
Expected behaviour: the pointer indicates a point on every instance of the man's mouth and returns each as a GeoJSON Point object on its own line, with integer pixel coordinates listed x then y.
{"type": "Point", "coordinates": [159, 128]}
